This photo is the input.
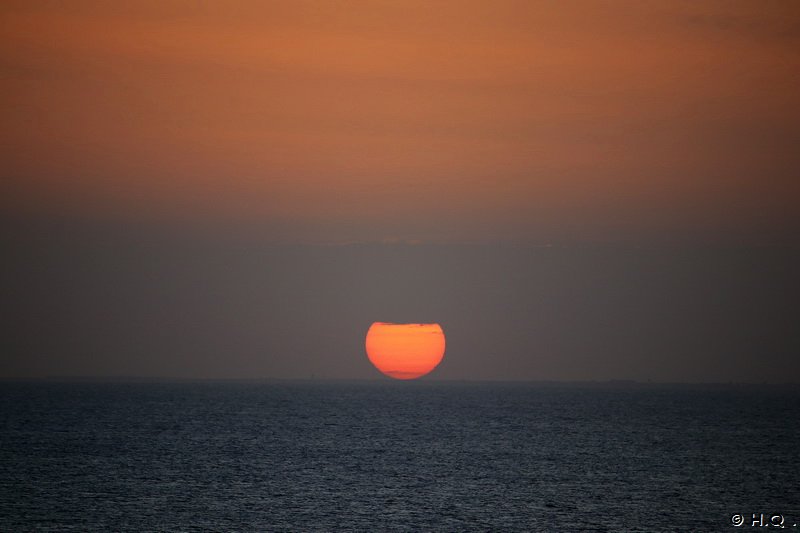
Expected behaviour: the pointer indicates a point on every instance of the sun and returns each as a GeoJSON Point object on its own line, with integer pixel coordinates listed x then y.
{"type": "Point", "coordinates": [405, 351]}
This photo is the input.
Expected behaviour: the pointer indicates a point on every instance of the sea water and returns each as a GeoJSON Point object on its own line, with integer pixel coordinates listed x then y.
{"type": "Point", "coordinates": [385, 455]}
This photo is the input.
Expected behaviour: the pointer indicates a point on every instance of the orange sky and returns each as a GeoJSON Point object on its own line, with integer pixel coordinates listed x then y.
{"type": "Point", "coordinates": [430, 121]}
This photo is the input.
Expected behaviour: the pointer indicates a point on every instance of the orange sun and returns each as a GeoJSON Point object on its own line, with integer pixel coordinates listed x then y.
{"type": "Point", "coordinates": [405, 351]}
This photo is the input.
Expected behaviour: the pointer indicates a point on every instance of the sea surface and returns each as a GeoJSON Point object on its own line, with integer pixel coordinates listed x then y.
{"type": "Point", "coordinates": [392, 456]}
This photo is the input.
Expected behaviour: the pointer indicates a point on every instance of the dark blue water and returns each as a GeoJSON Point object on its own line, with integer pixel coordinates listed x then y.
{"type": "Point", "coordinates": [394, 456]}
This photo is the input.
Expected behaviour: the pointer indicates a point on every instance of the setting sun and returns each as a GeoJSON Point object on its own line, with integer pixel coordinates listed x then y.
{"type": "Point", "coordinates": [405, 351]}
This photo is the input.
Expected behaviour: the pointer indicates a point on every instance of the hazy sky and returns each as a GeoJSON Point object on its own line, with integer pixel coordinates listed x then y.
{"type": "Point", "coordinates": [238, 189]}
{"type": "Point", "coordinates": [444, 121]}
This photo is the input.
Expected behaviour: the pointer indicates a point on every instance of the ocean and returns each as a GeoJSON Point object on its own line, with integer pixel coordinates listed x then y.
{"type": "Point", "coordinates": [396, 456]}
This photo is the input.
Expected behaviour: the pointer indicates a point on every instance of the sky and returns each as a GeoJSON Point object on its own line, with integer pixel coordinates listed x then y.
{"type": "Point", "coordinates": [573, 190]}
